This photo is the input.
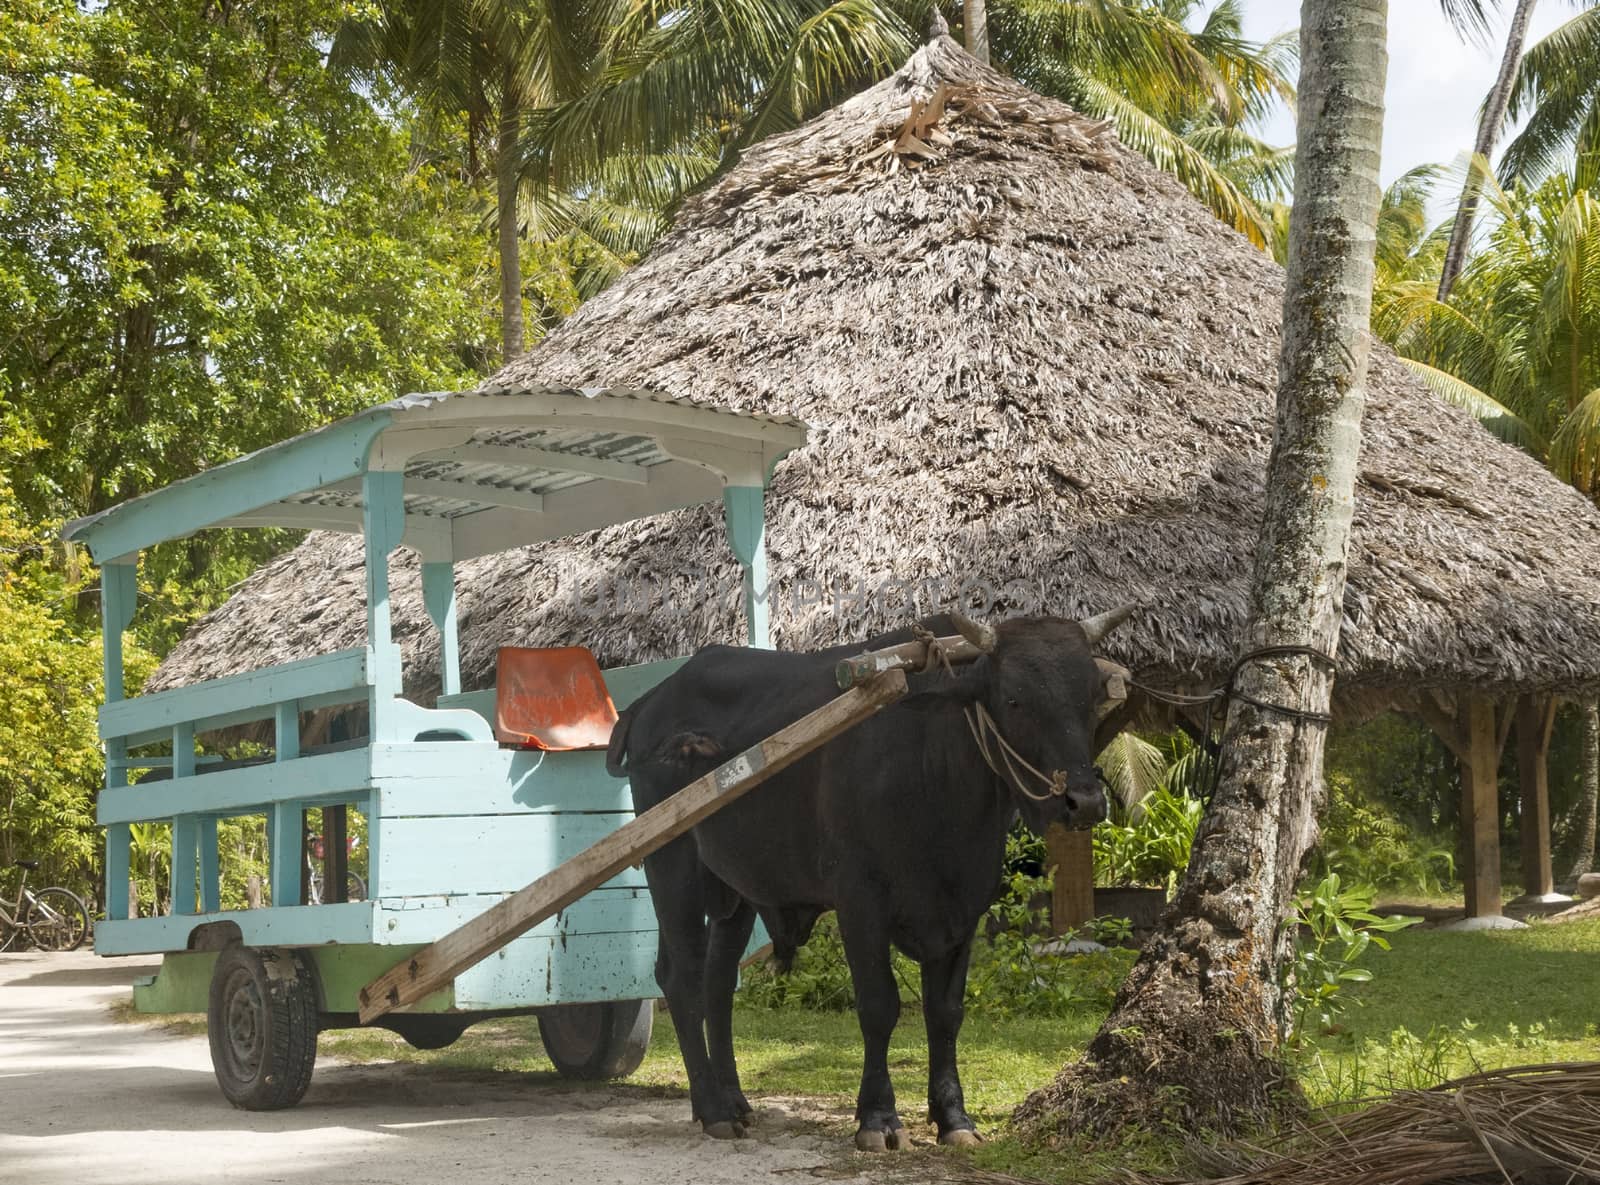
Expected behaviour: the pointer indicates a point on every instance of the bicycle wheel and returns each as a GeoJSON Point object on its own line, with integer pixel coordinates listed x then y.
{"type": "Point", "coordinates": [57, 920]}
{"type": "Point", "coordinates": [12, 935]}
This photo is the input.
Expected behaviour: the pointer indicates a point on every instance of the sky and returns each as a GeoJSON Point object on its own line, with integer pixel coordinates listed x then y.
{"type": "Point", "coordinates": [1436, 82]}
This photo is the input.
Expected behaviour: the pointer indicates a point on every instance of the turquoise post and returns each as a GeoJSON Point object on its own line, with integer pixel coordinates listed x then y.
{"type": "Point", "coordinates": [119, 591]}
{"type": "Point", "coordinates": [439, 597]}
{"type": "Point", "coordinates": [743, 511]}
{"type": "Point", "coordinates": [383, 522]}
{"type": "Point", "coordinates": [185, 828]}
{"type": "Point", "coordinates": [284, 838]}
{"type": "Point", "coordinates": [210, 866]}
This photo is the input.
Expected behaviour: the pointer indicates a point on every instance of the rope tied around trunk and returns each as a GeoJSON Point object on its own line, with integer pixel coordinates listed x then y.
{"type": "Point", "coordinates": [1220, 695]}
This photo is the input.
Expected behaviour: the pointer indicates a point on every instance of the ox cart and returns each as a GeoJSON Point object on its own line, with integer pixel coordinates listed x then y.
{"type": "Point", "coordinates": [456, 820]}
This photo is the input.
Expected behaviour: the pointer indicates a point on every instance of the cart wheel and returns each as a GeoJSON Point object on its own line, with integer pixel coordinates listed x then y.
{"type": "Point", "coordinates": [593, 1041]}
{"type": "Point", "coordinates": [263, 1027]}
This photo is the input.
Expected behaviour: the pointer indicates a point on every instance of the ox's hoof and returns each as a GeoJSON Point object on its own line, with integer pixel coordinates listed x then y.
{"type": "Point", "coordinates": [891, 1140]}
{"type": "Point", "coordinates": [960, 1137]}
{"type": "Point", "coordinates": [727, 1129]}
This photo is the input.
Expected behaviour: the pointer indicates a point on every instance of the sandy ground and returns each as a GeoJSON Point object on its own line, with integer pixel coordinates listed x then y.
{"type": "Point", "coordinates": [86, 1100]}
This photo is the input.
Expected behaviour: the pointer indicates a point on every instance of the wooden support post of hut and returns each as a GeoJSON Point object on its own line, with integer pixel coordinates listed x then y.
{"type": "Point", "coordinates": [1474, 729]}
{"type": "Point", "coordinates": [1071, 855]}
{"type": "Point", "coordinates": [1535, 716]}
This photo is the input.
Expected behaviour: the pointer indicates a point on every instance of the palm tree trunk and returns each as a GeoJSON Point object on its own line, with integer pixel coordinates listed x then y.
{"type": "Point", "coordinates": [1196, 1034]}
{"type": "Point", "coordinates": [1584, 860]}
{"type": "Point", "coordinates": [506, 180]}
{"type": "Point", "coordinates": [975, 24]}
{"type": "Point", "coordinates": [1494, 115]}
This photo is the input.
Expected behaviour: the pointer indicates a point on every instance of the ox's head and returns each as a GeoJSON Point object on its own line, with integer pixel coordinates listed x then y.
{"type": "Point", "coordinates": [1035, 700]}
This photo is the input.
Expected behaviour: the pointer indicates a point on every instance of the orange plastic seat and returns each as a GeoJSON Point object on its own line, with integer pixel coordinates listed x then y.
{"type": "Point", "coordinates": [551, 698]}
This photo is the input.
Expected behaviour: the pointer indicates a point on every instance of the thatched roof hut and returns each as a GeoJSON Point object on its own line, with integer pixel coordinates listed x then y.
{"type": "Point", "coordinates": [1038, 373]}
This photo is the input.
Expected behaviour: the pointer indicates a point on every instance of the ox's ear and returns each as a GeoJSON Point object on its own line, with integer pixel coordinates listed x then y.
{"type": "Point", "coordinates": [1114, 681]}
{"type": "Point", "coordinates": [943, 691]}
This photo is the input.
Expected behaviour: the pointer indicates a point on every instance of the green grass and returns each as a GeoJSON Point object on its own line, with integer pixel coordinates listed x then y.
{"type": "Point", "coordinates": [783, 1053]}
{"type": "Point", "coordinates": [1440, 1004]}
{"type": "Point", "coordinates": [1444, 1003]}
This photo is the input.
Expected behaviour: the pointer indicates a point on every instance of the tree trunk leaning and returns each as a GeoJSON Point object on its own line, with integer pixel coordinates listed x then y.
{"type": "Point", "coordinates": [1589, 791]}
{"type": "Point", "coordinates": [506, 185]}
{"type": "Point", "coordinates": [1197, 1031]}
{"type": "Point", "coordinates": [975, 26]}
{"type": "Point", "coordinates": [1494, 117]}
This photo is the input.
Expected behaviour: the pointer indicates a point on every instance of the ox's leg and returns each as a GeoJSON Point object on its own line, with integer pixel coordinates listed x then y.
{"type": "Point", "coordinates": [944, 986]}
{"type": "Point", "coordinates": [866, 947]}
{"type": "Point", "coordinates": [675, 880]}
{"type": "Point", "coordinates": [729, 937]}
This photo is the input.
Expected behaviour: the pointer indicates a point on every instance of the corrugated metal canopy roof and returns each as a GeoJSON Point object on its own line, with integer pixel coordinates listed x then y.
{"type": "Point", "coordinates": [483, 470]}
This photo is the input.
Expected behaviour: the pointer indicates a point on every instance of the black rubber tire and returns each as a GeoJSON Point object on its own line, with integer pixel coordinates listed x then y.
{"type": "Point", "coordinates": [591, 1042]}
{"type": "Point", "coordinates": [58, 920]}
{"type": "Point", "coordinates": [262, 1024]}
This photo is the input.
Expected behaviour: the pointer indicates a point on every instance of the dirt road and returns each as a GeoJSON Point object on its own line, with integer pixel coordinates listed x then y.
{"type": "Point", "coordinates": [85, 1100]}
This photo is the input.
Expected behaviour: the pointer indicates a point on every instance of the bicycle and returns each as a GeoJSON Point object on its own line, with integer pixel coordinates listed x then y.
{"type": "Point", "coordinates": [53, 919]}
{"type": "Point", "coordinates": [355, 886]}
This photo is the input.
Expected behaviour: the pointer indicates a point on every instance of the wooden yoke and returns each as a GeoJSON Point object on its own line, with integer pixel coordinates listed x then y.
{"type": "Point", "coordinates": [907, 656]}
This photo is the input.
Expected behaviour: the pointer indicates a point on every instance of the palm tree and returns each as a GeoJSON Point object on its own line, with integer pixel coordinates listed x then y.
{"type": "Point", "coordinates": [486, 62]}
{"type": "Point", "coordinates": [975, 24]}
{"type": "Point", "coordinates": [1558, 88]}
{"type": "Point", "coordinates": [1197, 1030]}
{"type": "Point", "coordinates": [1489, 124]}
{"type": "Point", "coordinates": [508, 71]}
{"type": "Point", "coordinates": [1181, 97]}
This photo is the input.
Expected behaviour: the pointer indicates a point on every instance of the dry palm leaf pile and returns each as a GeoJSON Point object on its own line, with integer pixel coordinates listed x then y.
{"type": "Point", "coordinates": [1533, 1125]}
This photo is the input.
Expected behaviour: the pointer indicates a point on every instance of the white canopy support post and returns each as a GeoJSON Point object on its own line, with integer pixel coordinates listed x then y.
{"type": "Point", "coordinates": [743, 511]}
{"type": "Point", "coordinates": [119, 593]}
{"type": "Point", "coordinates": [383, 522]}
{"type": "Point", "coordinates": [439, 598]}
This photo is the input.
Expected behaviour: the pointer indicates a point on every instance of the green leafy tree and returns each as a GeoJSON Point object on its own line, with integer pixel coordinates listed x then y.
{"type": "Point", "coordinates": [206, 244]}
{"type": "Point", "coordinates": [50, 764]}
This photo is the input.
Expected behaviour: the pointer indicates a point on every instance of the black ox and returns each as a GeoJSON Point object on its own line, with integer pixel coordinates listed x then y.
{"type": "Point", "coordinates": [898, 825]}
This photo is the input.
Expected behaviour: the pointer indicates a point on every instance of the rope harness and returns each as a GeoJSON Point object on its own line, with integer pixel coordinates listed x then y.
{"type": "Point", "coordinates": [984, 730]}
{"type": "Point", "coordinates": [1011, 765]}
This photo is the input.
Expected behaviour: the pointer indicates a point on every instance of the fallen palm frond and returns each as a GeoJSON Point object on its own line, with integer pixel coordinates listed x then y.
{"type": "Point", "coordinates": [1525, 1124]}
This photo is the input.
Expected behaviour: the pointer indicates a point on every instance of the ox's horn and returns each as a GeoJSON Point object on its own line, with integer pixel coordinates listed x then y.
{"type": "Point", "coordinates": [1101, 624]}
{"type": "Point", "coordinates": [980, 635]}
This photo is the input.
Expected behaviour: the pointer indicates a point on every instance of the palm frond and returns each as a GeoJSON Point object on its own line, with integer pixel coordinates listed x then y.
{"type": "Point", "coordinates": [1491, 413]}
{"type": "Point", "coordinates": [1170, 152]}
{"type": "Point", "coordinates": [1133, 767]}
{"type": "Point", "coordinates": [1557, 89]}
{"type": "Point", "coordinates": [1575, 448]}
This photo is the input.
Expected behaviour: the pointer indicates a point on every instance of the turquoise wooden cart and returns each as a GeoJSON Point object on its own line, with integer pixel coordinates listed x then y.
{"type": "Point", "coordinates": [454, 820]}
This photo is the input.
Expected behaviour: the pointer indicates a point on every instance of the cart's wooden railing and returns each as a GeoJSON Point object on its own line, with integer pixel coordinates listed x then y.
{"type": "Point", "coordinates": [198, 791]}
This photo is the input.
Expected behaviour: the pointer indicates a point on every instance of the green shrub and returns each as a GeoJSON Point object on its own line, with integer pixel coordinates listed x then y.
{"type": "Point", "coordinates": [1336, 928]}
{"type": "Point", "coordinates": [1011, 973]}
{"type": "Point", "coordinates": [1367, 843]}
{"type": "Point", "coordinates": [1149, 843]}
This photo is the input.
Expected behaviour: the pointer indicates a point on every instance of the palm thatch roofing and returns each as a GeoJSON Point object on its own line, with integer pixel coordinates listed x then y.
{"type": "Point", "coordinates": [1032, 364]}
